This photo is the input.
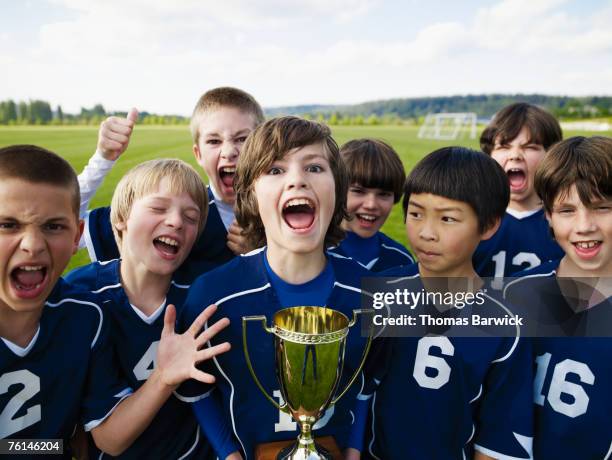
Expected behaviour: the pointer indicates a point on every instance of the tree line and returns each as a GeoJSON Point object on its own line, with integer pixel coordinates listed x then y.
{"type": "Point", "coordinates": [38, 112]}
{"type": "Point", "coordinates": [391, 111]}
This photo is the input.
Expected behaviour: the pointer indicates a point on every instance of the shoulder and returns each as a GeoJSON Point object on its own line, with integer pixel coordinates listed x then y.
{"type": "Point", "coordinates": [241, 273]}
{"type": "Point", "coordinates": [519, 282]}
{"type": "Point", "coordinates": [78, 307]}
{"type": "Point", "coordinates": [409, 270]}
{"type": "Point", "coordinates": [395, 247]}
{"type": "Point", "coordinates": [95, 276]}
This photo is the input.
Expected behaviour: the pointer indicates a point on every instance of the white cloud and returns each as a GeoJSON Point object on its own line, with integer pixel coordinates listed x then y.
{"type": "Point", "coordinates": [160, 55]}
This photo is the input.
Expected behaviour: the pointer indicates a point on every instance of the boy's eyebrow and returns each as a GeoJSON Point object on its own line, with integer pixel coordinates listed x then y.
{"type": "Point", "coordinates": [166, 200]}
{"type": "Point", "coordinates": [449, 208]}
{"type": "Point", "coordinates": [236, 133]}
{"type": "Point", "coordinates": [312, 156]}
{"type": "Point", "coordinates": [414, 203]}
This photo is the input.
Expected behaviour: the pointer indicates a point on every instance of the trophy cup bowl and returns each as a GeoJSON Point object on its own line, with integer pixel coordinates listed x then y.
{"type": "Point", "coordinates": [309, 346]}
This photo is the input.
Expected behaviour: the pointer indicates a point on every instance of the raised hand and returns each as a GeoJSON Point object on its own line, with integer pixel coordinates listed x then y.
{"type": "Point", "coordinates": [178, 354]}
{"type": "Point", "coordinates": [114, 135]}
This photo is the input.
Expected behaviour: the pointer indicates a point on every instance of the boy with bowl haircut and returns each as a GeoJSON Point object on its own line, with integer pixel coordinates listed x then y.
{"type": "Point", "coordinates": [517, 139]}
{"type": "Point", "coordinates": [158, 211]}
{"type": "Point", "coordinates": [573, 374]}
{"type": "Point", "coordinates": [291, 187]}
{"type": "Point", "coordinates": [450, 397]}
{"type": "Point", "coordinates": [56, 362]}
{"type": "Point", "coordinates": [222, 119]}
{"type": "Point", "coordinates": [376, 180]}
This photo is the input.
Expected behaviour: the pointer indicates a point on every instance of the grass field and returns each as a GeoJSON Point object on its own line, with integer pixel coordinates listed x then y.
{"type": "Point", "coordinates": [77, 144]}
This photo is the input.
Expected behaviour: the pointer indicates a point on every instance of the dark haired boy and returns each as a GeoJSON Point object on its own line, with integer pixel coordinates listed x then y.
{"type": "Point", "coordinates": [291, 187]}
{"type": "Point", "coordinates": [517, 139]}
{"type": "Point", "coordinates": [222, 119]}
{"type": "Point", "coordinates": [57, 368]}
{"type": "Point", "coordinates": [376, 176]}
{"type": "Point", "coordinates": [439, 396]}
{"type": "Point", "coordinates": [573, 374]}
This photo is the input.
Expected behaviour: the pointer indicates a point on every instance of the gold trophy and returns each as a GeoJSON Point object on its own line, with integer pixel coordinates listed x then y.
{"type": "Point", "coordinates": [309, 345]}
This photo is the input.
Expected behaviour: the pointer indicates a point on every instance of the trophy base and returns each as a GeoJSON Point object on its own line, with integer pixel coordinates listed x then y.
{"type": "Point", "coordinates": [284, 450]}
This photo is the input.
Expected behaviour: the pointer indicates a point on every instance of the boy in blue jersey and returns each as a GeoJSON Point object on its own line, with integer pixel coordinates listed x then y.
{"type": "Point", "coordinates": [158, 211]}
{"type": "Point", "coordinates": [517, 139]}
{"type": "Point", "coordinates": [574, 375]}
{"type": "Point", "coordinates": [376, 176]}
{"type": "Point", "coordinates": [448, 397]}
{"type": "Point", "coordinates": [56, 364]}
{"type": "Point", "coordinates": [291, 188]}
{"type": "Point", "coordinates": [222, 119]}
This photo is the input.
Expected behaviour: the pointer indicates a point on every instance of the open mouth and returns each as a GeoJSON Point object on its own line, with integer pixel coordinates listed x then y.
{"type": "Point", "coordinates": [29, 280]}
{"type": "Point", "coordinates": [226, 174]}
{"type": "Point", "coordinates": [166, 246]}
{"type": "Point", "coordinates": [517, 178]}
{"type": "Point", "coordinates": [366, 220]}
{"type": "Point", "coordinates": [299, 213]}
{"type": "Point", "coordinates": [587, 249]}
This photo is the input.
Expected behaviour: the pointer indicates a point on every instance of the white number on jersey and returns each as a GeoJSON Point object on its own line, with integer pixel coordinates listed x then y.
{"type": "Point", "coordinates": [144, 367]}
{"type": "Point", "coordinates": [286, 422]}
{"type": "Point", "coordinates": [31, 386]}
{"type": "Point", "coordinates": [424, 360]}
{"type": "Point", "coordinates": [559, 385]}
{"type": "Point", "coordinates": [518, 260]}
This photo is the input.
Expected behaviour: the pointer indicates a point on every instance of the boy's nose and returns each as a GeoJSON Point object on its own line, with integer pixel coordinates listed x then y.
{"type": "Point", "coordinates": [427, 232]}
{"type": "Point", "coordinates": [33, 242]}
{"type": "Point", "coordinates": [585, 222]}
{"type": "Point", "coordinates": [229, 150]}
{"type": "Point", "coordinates": [296, 178]}
{"type": "Point", "coordinates": [369, 201]}
{"type": "Point", "coordinates": [174, 219]}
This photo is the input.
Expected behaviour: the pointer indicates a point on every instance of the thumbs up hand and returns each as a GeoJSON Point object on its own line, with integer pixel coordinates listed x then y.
{"type": "Point", "coordinates": [114, 135]}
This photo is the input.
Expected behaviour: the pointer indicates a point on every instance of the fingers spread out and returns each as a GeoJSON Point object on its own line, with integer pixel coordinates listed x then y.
{"type": "Point", "coordinates": [208, 353]}
{"type": "Point", "coordinates": [212, 330]}
{"type": "Point", "coordinates": [199, 322]}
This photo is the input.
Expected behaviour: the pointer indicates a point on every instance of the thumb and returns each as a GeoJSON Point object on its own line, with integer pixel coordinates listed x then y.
{"type": "Point", "coordinates": [169, 320]}
{"type": "Point", "coordinates": [133, 115]}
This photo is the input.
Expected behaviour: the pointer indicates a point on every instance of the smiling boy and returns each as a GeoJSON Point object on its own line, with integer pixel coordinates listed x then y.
{"type": "Point", "coordinates": [57, 366]}
{"type": "Point", "coordinates": [376, 177]}
{"type": "Point", "coordinates": [574, 376]}
{"type": "Point", "coordinates": [291, 189]}
{"type": "Point", "coordinates": [517, 139]}
{"type": "Point", "coordinates": [158, 210]}
{"type": "Point", "coordinates": [450, 397]}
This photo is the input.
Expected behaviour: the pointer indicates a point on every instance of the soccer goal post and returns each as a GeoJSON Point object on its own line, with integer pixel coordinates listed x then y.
{"type": "Point", "coordinates": [448, 126]}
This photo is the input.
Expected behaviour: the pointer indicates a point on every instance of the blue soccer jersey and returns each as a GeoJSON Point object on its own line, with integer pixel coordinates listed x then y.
{"type": "Point", "coordinates": [438, 397]}
{"type": "Point", "coordinates": [67, 374]}
{"type": "Point", "coordinates": [243, 288]}
{"type": "Point", "coordinates": [383, 252]}
{"type": "Point", "coordinates": [573, 375]}
{"type": "Point", "coordinates": [174, 432]}
{"type": "Point", "coordinates": [522, 242]}
{"type": "Point", "coordinates": [209, 251]}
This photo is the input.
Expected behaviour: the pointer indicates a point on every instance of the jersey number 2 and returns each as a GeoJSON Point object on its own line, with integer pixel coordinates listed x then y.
{"type": "Point", "coordinates": [31, 386]}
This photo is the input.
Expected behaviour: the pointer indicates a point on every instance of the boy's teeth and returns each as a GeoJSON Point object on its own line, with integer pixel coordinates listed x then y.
{"type": "Point", "coordinates": [298, 202]}
{"type": "Point", "coordinates": [168, 241]}
{"type": "Point", "coordinates": [587, 244]}
{"type": "Point", "coordinates": [367, 217]}
{"type": "Point", "coordinates": [31, 268]}
{"type": "Point", "coordinates": [229, 169]}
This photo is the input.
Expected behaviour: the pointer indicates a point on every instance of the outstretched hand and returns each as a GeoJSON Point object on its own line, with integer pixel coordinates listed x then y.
{"type": "Point", "coordinates": [114, 135]}
{"type": "Point", "coordinates": [179, 354]}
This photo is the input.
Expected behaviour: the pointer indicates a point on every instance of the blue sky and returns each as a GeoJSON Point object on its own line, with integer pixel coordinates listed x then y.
{"type": "Point", "coordinates": [160, 55]}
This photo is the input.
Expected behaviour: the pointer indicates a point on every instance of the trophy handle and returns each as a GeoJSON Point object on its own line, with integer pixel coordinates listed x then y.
{"type": "Point", "coordinates": [270, 330]}
{"type": "Point", "coordinates": [359, 311]}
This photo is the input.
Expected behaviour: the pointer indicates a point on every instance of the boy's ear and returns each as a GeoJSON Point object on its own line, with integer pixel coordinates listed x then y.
{"type": "Point", "coordinates": [197, 153]}
{"type": "Point", "coordinates": [77, 236]}
{"type": "Point", "coordinates": [120, 226]}
{"type": "Point", "coordinates": [489, 232]}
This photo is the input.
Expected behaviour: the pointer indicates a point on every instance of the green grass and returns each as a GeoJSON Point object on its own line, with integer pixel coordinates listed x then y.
{"type": "Point", "coordinates": [77, 144]}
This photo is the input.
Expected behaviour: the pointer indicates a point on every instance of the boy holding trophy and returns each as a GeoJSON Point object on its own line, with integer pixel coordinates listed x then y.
{"type": "Point", "coordinates": [291, 188]}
